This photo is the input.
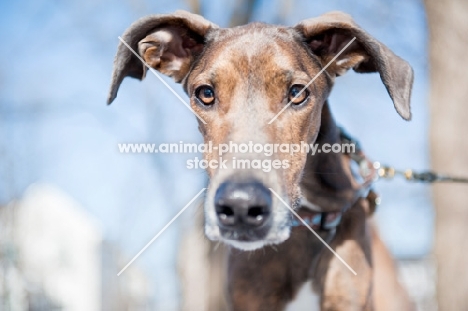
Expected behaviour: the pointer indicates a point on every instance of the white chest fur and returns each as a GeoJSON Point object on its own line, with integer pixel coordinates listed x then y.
{"type": "Point", "coordinates": [306, 300]}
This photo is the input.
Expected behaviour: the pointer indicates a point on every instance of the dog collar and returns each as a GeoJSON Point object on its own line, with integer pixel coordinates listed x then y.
{"type": "Point", "coordinates": [323, 221]}
{"type": "Point", "coordinates": [364, 173]}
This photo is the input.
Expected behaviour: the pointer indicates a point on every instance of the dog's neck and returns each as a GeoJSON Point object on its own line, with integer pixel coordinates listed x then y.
{"type": "Point", "coordinates": [327, 180]}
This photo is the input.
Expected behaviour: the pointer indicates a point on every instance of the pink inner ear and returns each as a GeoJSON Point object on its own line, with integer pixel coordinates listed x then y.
{"type": "Point", "coordinates": [331, 43]}
{"type": "Point", "coordinates": [338, 42]}
{"type": "Point", "coordinates": [315, 45]}
{"type": "Point", "coordinates": [179, 42]}
{"type": "Point", "coordinates": [173, 42]}
{"type": "Point", "coordinates": [192, 44]}
{"type": "Point", "coordinates": [189, 43]}
{"type": "Point", "coordinates": [170, 50]}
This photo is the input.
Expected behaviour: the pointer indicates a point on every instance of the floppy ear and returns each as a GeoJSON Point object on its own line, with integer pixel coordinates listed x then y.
{"type": "Point", "coordinates": [167, 42]}
{"type": "Point", "coordinates": [328, 34]}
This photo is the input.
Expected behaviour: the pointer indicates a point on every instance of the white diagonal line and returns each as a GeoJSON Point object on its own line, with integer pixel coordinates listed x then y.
{"type": "Point", "coordinates": [161, 79]}
{"type": "Point", "coordinates": [160, 232]}
{"type": "Point", "coordinates": [313, 231]}
{"type": "Point", "coordinates": [313, 79]}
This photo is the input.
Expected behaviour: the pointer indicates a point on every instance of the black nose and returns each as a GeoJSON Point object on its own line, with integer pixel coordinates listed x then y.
{"type": "Point", "coordinates": [247, 204]}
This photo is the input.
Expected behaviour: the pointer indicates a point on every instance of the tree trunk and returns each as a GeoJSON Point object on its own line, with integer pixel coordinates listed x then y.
{"type": "Point", "coordinates": [448, 45]}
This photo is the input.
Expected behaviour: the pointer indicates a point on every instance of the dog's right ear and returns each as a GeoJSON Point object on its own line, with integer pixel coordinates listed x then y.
{"type": "Point", "coordinates": [329, 33]}
{"type": "Point", "coordinates": [168, 43]}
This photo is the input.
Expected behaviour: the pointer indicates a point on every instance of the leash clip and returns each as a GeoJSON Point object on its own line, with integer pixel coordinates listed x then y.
{"type": "Point", "coordinates": [384, 171]}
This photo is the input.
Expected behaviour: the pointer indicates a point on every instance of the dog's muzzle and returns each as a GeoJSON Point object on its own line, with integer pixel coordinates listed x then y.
{"type": "Point", "coordinates": [243, 210]}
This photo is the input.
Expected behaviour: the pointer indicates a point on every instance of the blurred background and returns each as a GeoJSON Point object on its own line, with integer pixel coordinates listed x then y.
{"type": "Point", "coordinates": [74, 211]}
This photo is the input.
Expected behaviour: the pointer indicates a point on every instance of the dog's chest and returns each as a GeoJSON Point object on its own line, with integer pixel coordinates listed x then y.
{"type": "Point", "coordinates": [305, 300]}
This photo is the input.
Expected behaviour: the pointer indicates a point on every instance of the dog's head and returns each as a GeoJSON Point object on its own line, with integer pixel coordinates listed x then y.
{"type": "Point", "coordinates": [238, 80]}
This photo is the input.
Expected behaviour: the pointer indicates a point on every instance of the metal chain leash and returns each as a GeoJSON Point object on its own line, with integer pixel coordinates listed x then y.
{"type": "Point", "coordinates": [375, 170]}
{"type": "Point", "coordinates": [389, 172]}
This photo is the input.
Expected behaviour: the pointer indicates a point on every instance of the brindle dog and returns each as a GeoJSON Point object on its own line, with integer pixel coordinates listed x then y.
{"type": "Point", "coordinates": [238, 79]}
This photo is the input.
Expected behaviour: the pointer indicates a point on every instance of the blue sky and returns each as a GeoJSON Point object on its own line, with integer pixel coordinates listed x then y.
{"type": "Point", "coordinates": [56, 61]}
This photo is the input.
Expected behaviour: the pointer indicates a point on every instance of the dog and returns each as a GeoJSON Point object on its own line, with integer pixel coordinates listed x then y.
{"type": "Point", "coordinates": [251, 84]}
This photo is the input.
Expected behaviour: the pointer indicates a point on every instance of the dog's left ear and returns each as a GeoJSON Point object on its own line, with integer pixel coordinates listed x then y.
{"type": "Point", "coordinates": [168, 43]}
{"type": "Point", "coordinates": [328, 34]}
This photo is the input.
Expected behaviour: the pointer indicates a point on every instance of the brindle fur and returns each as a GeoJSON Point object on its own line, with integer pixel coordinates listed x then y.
{"type": "Point", "coordinates": [251, 68]}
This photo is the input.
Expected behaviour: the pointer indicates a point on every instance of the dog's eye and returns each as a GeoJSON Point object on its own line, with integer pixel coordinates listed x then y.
{"type": "Point", "coordinates": [205, 94]}
{"type": "Point", "coordinates": [296, 95]}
